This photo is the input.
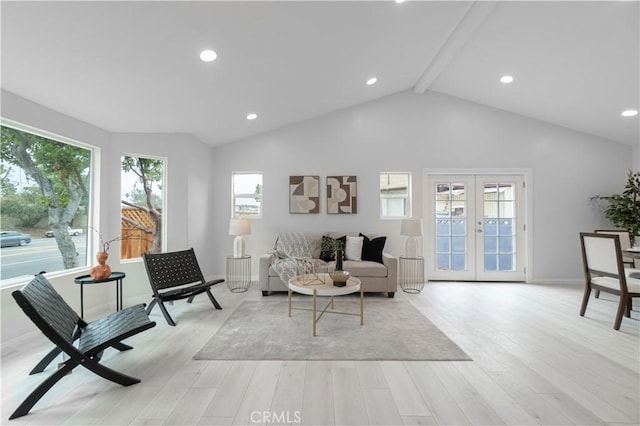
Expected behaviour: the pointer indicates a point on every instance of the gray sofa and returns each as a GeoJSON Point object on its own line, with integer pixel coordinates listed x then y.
{"type": "Point", "coordinates": [375, 277]}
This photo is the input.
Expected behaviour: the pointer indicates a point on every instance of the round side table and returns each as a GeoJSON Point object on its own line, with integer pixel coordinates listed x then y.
{"type": "Point", "coordinates": [411, 274]}
{"type": "Point", "coordinates": [86, 279]}
{"type": "Point", "coordinates": [238, 273]}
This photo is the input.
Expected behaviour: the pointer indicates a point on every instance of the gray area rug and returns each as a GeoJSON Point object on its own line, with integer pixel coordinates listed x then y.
{"type": "Point", "coordinates": [392, 330]}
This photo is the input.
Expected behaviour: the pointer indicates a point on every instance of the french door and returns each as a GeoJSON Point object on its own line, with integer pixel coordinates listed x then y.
{"type": "Point", "coordinates": [476, 228]}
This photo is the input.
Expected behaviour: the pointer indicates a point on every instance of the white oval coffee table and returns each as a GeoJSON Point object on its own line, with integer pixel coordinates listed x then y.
{"type": "Point", "coordinates": [321, 285]}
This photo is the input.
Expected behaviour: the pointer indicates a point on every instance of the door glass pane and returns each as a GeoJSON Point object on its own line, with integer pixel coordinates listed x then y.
{"type": "Point", "coordinates": [451, 226]}
{"type": "Point", "coordinates": [490, 245]}
{"type": "Point", "coordinates": [499, 227]}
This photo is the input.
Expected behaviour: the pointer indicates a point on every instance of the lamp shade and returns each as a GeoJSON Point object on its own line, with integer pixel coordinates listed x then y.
{"type": "Point", "coordinates": [239, 227]}
{"type": "Point", "coordinates": [411, 227]}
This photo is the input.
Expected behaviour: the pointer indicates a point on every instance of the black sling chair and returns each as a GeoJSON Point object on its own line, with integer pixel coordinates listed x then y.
{"type": "Point", "coordinates": [176, 275]}
{"type": "Point", "coordinates": [60, 323]}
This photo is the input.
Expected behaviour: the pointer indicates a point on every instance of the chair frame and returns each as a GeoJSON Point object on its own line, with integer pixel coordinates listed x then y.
{"type": "Point", "coordinates": [172, 276]}
{"type": "Point", "coordinates": [625, 302]}
{"type": "Point", "coordinates": [62, 325]}
{"type": "Point", "coordinates": [626, 260]}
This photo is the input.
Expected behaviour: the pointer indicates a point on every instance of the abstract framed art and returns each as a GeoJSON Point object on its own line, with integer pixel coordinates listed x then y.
{"type": "Point", "coordinates": [304, 194]}
{"type": "Point", "coordinates": [342, 194]}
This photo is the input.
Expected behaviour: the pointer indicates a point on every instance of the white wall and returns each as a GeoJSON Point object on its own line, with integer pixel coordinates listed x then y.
{"type": "Point", "coordinates": [188, 196]}
{"type": "Point", "coordinates": [409, 132]}
{"type": "Point", "coordinates": [403, 132]}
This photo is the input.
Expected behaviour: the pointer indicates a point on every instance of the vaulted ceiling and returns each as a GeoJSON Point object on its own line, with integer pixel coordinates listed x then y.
{"type": "Point", "coordinates": [135, 66]}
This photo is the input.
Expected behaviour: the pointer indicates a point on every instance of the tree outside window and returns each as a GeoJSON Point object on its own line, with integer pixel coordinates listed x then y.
{"type": "Point", "coordinates": [247, 195]}
{"type": "Point", "coordinates": [395, 195]}
{"type": "Point", "coordinates": [142, 186]}
{"type": "Point", "coordinates": [44, 188]}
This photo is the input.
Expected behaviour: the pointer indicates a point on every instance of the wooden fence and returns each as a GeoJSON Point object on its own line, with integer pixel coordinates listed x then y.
{"type": "Point", "coordinates": [134, 241]}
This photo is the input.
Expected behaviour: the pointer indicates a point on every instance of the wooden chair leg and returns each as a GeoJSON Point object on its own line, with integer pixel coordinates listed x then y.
{"type": "Point", "coordinates": [585, 299]}
{"type": "Point", "coordinates": [151, 305]}
{"type": "Point", "coordinates": [44, 362]}
{"type": "Point", "coordinates": [121, 346]}
{"type": "Point", "coordinates": [109, 374]}
{"type": "Point", "coordinates": [622, 306]}
{"type": "Point", "coordinates": [39, 392]}
{"type": "Point", "coordinates": [213, 300]}
{"type": "Point", "coordinates": [166, 314]}
{"type": "Point", "coordinates": [596, 293]}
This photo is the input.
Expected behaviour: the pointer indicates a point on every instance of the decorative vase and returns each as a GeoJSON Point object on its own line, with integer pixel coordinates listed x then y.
{"type": "Point", "coordinates": [101, 271]}
{"type": "Point", "coordinates": [339, 276]}
{"type": "Point", "coordinates": [339, 260]}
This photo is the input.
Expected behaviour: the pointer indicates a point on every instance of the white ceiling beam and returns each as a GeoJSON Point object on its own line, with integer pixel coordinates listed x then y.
{"type": "Point", "coordinates": [475, 16]}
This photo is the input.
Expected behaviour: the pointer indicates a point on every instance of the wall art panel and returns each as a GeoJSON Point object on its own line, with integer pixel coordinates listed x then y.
{"type": "Point", "coordinates": [342, 195]}
{"type": "Point", "coordinates": [304, 194]}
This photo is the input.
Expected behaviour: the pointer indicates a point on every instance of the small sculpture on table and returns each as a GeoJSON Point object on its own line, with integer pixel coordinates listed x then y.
{"type": "Point", "coordinates": [101, 271]}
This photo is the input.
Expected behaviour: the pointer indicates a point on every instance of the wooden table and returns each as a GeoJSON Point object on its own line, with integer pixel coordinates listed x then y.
{"type": "Point", "coordinates": [319, 285]}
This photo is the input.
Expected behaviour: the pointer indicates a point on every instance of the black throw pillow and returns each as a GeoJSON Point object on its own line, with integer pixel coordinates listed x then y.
{"type": "Point", "coordinates": [329, 255]}
{"type": "Point", "coordinates": [372, 249]}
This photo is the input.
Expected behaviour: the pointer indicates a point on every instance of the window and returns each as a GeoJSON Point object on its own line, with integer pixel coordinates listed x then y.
{"type": "Point", "coordinates": [395, 195]}
{"type": "Point", "coordinates": [45, 183]}
{"type": "Point", "coordinates": [142, 206]}
{"type": "Point", "coordinates": [247, 195]}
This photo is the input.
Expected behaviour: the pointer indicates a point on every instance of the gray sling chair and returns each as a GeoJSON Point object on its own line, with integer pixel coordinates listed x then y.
{"type": "Point", "coordinates": [60, 323]}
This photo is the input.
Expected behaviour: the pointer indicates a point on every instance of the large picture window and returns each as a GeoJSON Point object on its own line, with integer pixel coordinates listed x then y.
{"type": "Point", "coordinates": [45, 198]}
{"type": "Point", "coordinates": [142, 206]}
{"type": "Point", "coordinates": [395, 195]}
{"type": "Point", "coordinates": [247, 195]}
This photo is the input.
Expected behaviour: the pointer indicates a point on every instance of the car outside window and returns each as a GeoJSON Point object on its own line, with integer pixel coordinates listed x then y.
{"type": "Point", "coordinates": [45, 187]}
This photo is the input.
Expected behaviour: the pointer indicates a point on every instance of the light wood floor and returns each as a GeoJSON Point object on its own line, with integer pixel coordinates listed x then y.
{"type": "Point", "coordinates": [535, 361]}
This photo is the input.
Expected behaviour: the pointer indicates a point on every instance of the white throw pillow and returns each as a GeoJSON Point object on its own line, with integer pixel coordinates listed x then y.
{"type": "Point", "coordinates": [353, 248]}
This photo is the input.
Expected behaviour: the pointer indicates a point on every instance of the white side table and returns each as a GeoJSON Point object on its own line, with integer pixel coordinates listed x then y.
{"type": "Point", "coordinates": [238, 273]}
{"type": "Point", "coordinates": [319, 285]}
{"type": "Point", "coordinates": [411, 274]}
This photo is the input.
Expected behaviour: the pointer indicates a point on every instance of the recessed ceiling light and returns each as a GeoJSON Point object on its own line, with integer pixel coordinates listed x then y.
{"type": "Point", "coordinates": [371, 81]}
{"type": "Point", "coordinates": [208, 55]}
{"type": "Point", "coordinates": [252, 116]}
{"type": "Point", "coordinates": [629, 113]}
{"type": "Point", "coordinates": [506, 79]}
{"type": "Point", "coordinates": [399, 1]}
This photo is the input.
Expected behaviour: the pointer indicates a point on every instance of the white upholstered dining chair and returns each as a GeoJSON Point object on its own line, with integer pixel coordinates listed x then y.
{"type": "Point", "coordinates": [604, 271]}
{"type": "Point", "coordinates": [625, 244]}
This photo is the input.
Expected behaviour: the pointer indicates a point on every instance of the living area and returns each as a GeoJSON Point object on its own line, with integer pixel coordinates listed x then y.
{"type": "Point", "coordinates": [533, 359]}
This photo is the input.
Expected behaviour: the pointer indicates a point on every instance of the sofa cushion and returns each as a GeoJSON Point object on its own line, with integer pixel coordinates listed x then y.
{"type": "Point", "coordinates": [329, 255]}
{"type": "Point", "coordinates": [372, 248]}
{"type": "Point", "coordinates": [363, 268]}
{"type": "Point", "coordinates": [353, 248]}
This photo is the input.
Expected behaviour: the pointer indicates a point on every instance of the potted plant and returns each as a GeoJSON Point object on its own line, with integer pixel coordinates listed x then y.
{"type": "Point", "coordinates": [331, 245]}
{"type": "Point", "coordinates": [623, 210]}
